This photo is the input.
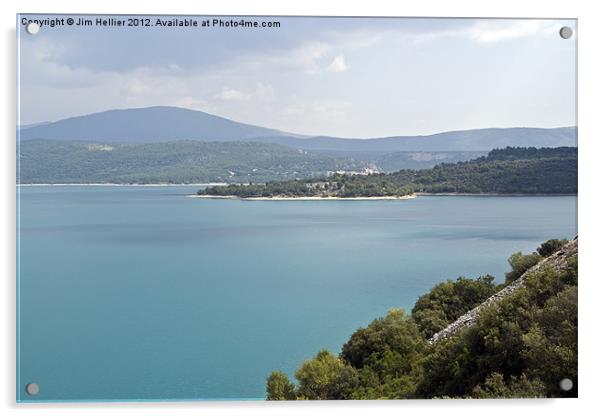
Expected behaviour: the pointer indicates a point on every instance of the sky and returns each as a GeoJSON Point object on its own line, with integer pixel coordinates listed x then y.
{"type": "Point", "coordinates": [345, 77]}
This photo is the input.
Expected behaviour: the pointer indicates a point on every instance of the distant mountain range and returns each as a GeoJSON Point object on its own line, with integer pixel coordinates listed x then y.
{"type": "Point", "coordinates": [163, 124]}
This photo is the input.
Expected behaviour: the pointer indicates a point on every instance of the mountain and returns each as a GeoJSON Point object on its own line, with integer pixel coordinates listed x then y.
{"type": "Point", "coordinates": [475, 140]}
{"type": "Point", "coordinates": [145, 125]}
{"type": "Point", "coordinates": [27, 126]}
{"type": "Point", "coordinates": [64, 162]}
{"type": "Point", "coordinates": [162, 124]}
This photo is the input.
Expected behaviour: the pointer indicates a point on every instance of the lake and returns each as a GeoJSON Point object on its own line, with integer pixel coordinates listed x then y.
{"type": "Point", "coordinates": [141, 293]}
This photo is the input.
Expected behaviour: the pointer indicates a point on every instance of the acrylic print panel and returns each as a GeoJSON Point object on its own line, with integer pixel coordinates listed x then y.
{"type": "Point", "coordinates": [287, 208]}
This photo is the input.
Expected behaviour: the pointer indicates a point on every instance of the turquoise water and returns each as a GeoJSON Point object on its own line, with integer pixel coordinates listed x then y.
{"type": "Point", "coordinates": [142, 293]}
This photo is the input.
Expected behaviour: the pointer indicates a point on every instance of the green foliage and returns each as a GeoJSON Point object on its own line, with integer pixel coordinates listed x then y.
{"type": "Point", "coordinates": [49, 161]}
{"type": "Point", "coordinates": [503, 171]}
{"type": "Point", "coordinates": [512, 153]}
{"type": "Point", "coordinates": [395, 333]}
{"type": "Point", "coordinates": [550, 345]}
{"type": "Point", "coordinates": [448, 300]}
{"type": "Point", "coordinates": [550, 246]}
{"type": "Point", "coordinates": [335, 186]}
{"type": "Point", "coordinates": [495, 387]}
{"type": "Point", "coordinates": [520, 264]}
{"type": "Point", "coordinates": [533, 332]}
{"type": "Point", "coordinates": [521, 346]}
{"type": "Point", "coordinates": [279, 387]}
{"type": "Point", "coordinates": [325, 377]}
{"type": "Point", "coordinates": [387, 354]}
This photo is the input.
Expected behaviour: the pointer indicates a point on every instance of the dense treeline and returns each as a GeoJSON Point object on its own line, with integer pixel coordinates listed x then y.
{"type": "Point", "coordinates": [520, 347]}
{"type": "Point", "coordinates": [511, 152]}
{"type": "Point", "coordinates": [503, 171]}
{"type": "Point", "coordinates": [335, 186]}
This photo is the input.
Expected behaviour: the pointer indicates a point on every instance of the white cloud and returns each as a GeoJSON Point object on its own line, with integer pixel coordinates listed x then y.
{"type": "Point", "coordinates": [307, 58]}
{"type": "Point", "coordinates": [338, 64]}
{"type": "Point", "coordinates": [490, 31]}
{"type": "Point", "coordinates": [231, 94]}
{"type": "Point", "coordinates": [498, 31]}
{"type": "Point", "coordinates": [260, 93]}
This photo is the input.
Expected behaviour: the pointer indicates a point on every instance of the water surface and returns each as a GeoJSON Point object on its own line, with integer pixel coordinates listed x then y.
{"type": "Point", "coordinates": [142, 293]}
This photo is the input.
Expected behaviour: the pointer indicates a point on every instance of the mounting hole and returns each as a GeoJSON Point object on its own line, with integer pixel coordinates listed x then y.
{"type": "Point", "coordinates": [566, 384]}
{"type": "Point", "coordinates": [32, 389]}
{"type": "Point", "coordinates": [32, 28]}
{"type": "Point", "coordinates": [566, 32]}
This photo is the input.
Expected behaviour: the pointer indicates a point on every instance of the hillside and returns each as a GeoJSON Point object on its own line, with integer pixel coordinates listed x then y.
{"type": "Point", "coordinates": [559, 261]}
{"type": "Point", "coordinates": [44, 161]}
{"type": "Point", "coordinates": [520, 344]}
{"type": "Point", "coordinates": [503, 171]}
{"type": "Point", "coordinates": [162, 124]}
{"type": "Point", "coordinates": [387, 161]}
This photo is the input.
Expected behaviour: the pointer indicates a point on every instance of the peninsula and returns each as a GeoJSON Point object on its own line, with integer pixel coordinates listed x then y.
{"type": "Point", "coordinates": [508, 171]}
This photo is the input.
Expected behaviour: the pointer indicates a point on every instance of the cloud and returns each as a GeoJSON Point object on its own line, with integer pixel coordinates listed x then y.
{"type": "Point", "coordinates": [231, 94]}
{"type": "Point", "coordinates": [260, 93]}
{"type": "Point", "coordinates": [305, 58]}
{"type": "Point", "coordinates": [498, 31]}
{"type": "Point", "coordinates": [291, 84]}
{"type": "Point", "coordinates": [337, 65]}
{"type": "Point", "coordinates": [489, 31]}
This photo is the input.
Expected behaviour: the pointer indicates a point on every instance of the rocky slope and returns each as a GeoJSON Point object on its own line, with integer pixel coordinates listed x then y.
{"type": "Point", "coordinates": [557, 260]}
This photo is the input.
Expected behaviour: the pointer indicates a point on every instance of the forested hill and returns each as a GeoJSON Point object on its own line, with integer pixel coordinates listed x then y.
{"type": "Point", "coordinates": [503, 171]}
{"type": "Point", "coordinates": [68, 162]}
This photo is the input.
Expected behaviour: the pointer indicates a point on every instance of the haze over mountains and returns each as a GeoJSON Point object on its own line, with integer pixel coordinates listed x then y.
{"type": "Point", "coordinates": [162, 124]}
{"type": "Point", "coordinates": [175, 145]}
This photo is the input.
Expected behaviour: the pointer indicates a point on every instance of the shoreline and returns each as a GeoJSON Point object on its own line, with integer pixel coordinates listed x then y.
{"type": "Point", "coordinates": [308, 198]}
{"type": "Point", "coordinates": [406, 197]}
{"type": "Point", "coordinates": [108, 184]}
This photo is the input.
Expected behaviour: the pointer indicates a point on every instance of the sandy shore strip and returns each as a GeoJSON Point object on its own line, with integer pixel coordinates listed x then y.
{"type": "Point", "coordinates": [233, 197]}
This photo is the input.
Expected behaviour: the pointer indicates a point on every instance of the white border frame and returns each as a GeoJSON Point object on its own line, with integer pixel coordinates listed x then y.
{"type": "Point", "coordinates": [589, 74]}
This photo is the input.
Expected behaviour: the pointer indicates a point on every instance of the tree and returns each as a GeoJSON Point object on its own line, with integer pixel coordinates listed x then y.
{"type": "Point", "coordinates": [495, 387]}
{"type": "Point", "coordinates": [279, 387]}
{"type": "Point", "coordinates": [520, 264]}
{"type": "Point", "coordinates": [325, 377]}
{"type": "Point", "coordinates": [447, 301]}
{"type": "Point", "coordinates": [550, 246]}
{"type": "Point", "coordinates": [395, 333]}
